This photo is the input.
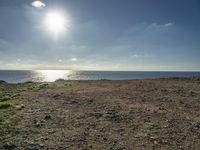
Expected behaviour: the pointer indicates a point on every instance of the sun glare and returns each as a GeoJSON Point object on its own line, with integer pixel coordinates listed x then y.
{"type": "Point", "coordinates": [52, 75]}
{"type": "Point", "coordinates": [56, 22]}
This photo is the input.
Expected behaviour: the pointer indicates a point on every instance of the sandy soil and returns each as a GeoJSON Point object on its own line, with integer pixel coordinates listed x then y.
{"type": "Point", "coordinates": [161, 114]}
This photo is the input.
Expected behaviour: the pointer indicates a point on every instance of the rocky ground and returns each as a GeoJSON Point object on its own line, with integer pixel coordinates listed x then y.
{"type": "Point", "coordinates": [161, 114]}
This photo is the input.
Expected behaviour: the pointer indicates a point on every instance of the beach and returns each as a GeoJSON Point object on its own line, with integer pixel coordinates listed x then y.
{"type": "Point", "coordinates": [144, 114]}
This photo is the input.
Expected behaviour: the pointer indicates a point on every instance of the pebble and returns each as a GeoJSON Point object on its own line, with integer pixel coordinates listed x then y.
{"type": "Point", "coordinates": [19, 107]}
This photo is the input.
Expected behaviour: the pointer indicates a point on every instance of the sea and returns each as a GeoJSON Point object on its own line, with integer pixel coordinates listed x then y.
{"type": "Point", "coordinates": [20, 76]}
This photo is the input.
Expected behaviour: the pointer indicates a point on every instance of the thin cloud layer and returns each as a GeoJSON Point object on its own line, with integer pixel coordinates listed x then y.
{"type": "Point", "coordinates": [38, 4]}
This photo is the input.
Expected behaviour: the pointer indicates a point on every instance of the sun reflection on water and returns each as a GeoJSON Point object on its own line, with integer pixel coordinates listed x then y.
{"type": "Point", "coordinates": [52, 75]}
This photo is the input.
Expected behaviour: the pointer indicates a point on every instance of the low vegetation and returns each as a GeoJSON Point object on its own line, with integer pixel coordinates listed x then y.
{"type": "Point", "coordinates": [137, 114]}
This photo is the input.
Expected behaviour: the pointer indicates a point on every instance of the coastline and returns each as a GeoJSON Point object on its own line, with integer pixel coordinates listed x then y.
{"type": "Point", "coordinates": [14, 76]}
{"type": "Point", "coordinates": [101, 114]}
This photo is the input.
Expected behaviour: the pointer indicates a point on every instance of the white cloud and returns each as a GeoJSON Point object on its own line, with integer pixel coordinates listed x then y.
{"type": "Point", "coordinates": [156, 26]}
{"type": "Point", "coordinates": [74, 59]}
{"type": "Point", "coordinates": [140, 55]}
{"type": "Point", "coordinates": [38, 4]}
{"type": "Point", "coordinates": [136, 56]}
{"type": "Point", "coordinates": [169, 24]}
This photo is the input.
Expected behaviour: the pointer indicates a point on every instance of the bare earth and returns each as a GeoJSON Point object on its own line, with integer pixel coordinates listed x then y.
{"type": "Point", "coordinates": [161, 114]}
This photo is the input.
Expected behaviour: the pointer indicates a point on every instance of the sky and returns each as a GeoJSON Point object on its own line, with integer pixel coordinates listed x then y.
{"type": "Point", "coordinates": [150, 35]}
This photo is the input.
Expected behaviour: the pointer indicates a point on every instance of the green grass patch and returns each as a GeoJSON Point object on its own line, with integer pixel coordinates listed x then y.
{"type": "Point", "coordinates": [44, 85]}
{"type": "Point", "coordinates": [2, 89]}
{"type": "Point", "coordinates": [6, 97]}
{"type": "Point", "coordinates": [7, 104]}
{"type": "Point", "coordinates": [152, 126]}
{"type": "Point", "coordinates": [8, 132]}
{"type": "Point", "coordinates": [60, 80]}
{"type": "Point", "coordinates": [35, 86]}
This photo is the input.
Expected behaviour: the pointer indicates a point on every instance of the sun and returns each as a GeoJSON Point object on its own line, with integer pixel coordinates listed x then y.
{"type": "Point", "coordinates": [55, 22]}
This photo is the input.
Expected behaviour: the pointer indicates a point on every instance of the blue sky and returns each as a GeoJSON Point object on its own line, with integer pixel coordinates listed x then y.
{"type": "Point", "coordinates": [102, 35]}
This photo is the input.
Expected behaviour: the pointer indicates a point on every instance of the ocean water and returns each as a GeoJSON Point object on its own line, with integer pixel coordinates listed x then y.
{"type": "Point", "coordinates": [16, 76]}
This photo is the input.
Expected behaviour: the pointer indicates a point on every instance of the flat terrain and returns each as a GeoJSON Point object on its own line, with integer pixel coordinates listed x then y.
{"type": "Point", "coordinates": [162, 114]}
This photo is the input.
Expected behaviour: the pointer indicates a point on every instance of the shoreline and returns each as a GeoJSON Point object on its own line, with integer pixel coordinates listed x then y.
{"type": "Point", "coordinates": [64, 80]}
{"type": "Point", "coordinates": [52, 75]}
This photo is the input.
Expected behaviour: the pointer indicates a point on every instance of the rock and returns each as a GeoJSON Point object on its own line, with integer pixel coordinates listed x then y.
{"type": "Point", "coordinates": [57, 96]}
{"type": "Point", "coordinates": [155, 142]}
{"type": "Point", "coordinates": [39, 124]}
{"type": "Point", "coordinates": [9, 146]}
{"type": "Point", "coordinates": [47, 117]}
{"type": "Point", "coordinates": [29, 82]}
{"type": "Point", "coordinates": [2, 81]}
{"type": "Point", "coordinates": [105, 139]}
{"type": "Point", "coordinates": [90, 101]}
{"type": "Point", "coordinates": [20, 107]}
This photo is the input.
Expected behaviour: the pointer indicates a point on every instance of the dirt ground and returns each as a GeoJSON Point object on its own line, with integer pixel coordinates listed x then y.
{"type": "Point", "coordinates": [161, 114]}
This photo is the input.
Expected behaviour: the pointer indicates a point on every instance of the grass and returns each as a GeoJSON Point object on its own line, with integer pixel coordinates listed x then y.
{"type": "Point", "coordinates": [2, 89]}
{"type": "Point", "coordinates": [152, 126]}
{"type": "Point", "coordinates": [6, 97]}
{"type": "Point", "coordinates": [60, 80]}
{"type": "Point", "coordinates": [6, 104]}
{"type": "Point", "coordinates": [39, 124]}
{"type": "Point", "coordinates": [8, 132]}
{"type": "Point", "coordinates": [36, 87]}
{"type": "Point", "coordinates": [41, 86]}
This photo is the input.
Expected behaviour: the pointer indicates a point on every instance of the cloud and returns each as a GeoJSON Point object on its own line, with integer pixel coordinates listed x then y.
{"type": "Point", "coordinates": [136, 56]}
{"type": "Point", "coordinates": [74, 59]}
{"type": "Point", "coordinates": [38, 4]}
{"type": "Point", "coordinates": [156, 26]}
{"type": "Point", "coordinates": [159, 26]}
{"type": "Point", "coordinates": [169, 24]}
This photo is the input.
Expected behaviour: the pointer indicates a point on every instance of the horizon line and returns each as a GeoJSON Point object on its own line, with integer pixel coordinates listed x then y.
{"type": "Point", "coordinates": [101, 70]}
